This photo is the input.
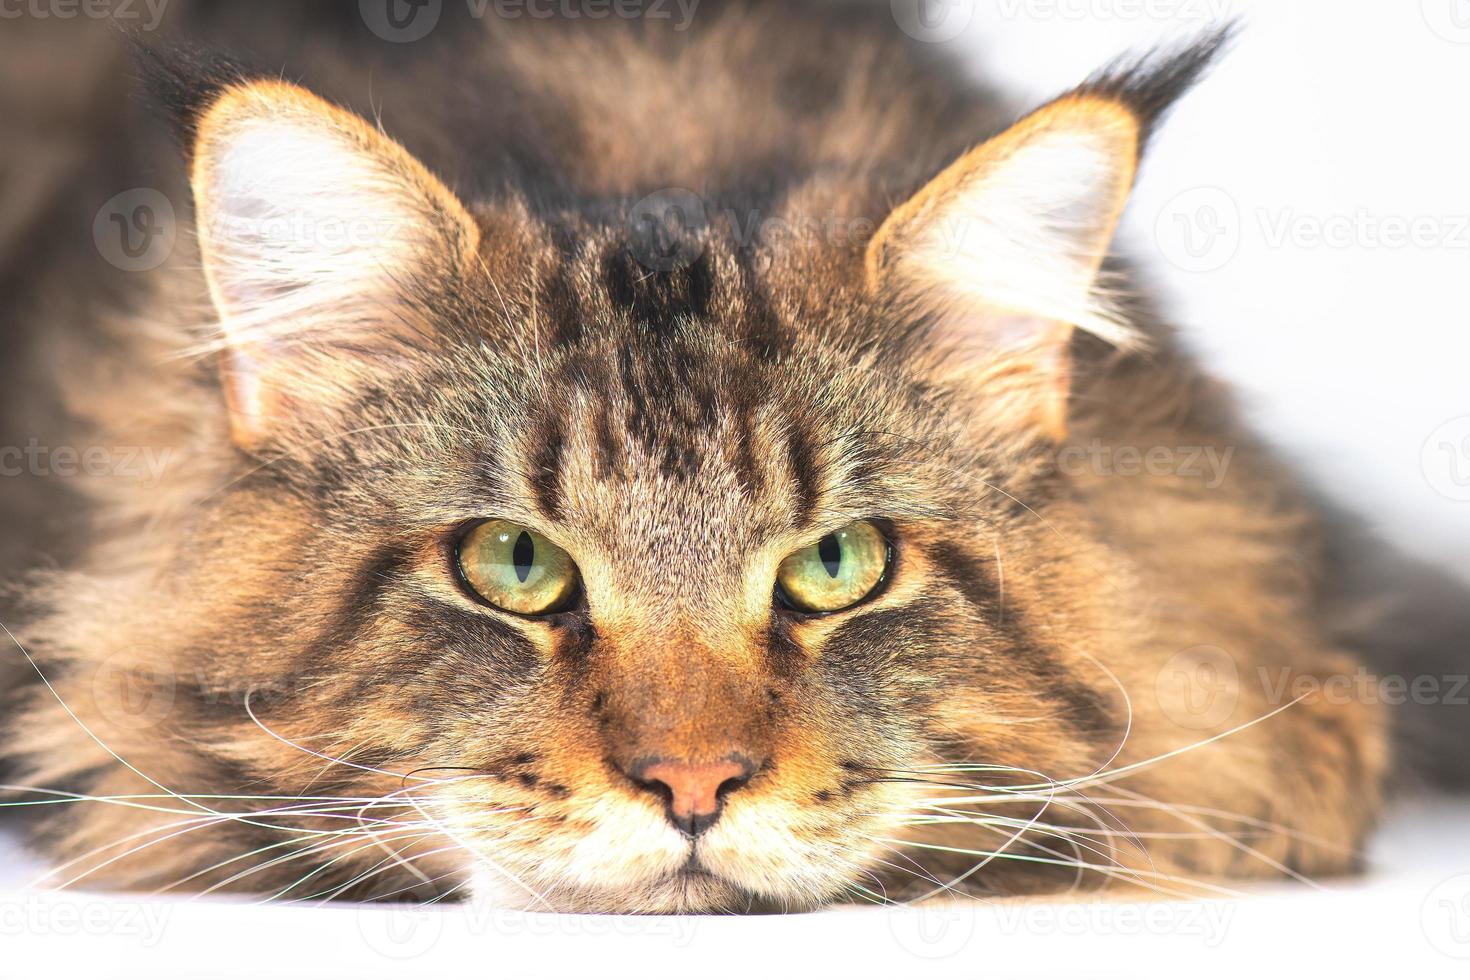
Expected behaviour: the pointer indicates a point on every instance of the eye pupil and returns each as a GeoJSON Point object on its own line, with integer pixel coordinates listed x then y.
{"type": "Point", "coordinates": [829, 550]}
{"type": "Point", "coordinates": [522, 555]}
{"type": "Point", "coordinates": [510, 567]}
{"type": "Point", "coordinates": [835, 572]}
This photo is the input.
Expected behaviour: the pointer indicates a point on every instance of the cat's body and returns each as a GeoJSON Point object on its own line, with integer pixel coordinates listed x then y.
{"type": "Point", "coordinates": [1073, 612]}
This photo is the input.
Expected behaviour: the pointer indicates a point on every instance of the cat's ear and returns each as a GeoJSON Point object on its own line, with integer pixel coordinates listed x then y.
{"type": "Point", "coordinates": [315, 232]}
{"type": "Point", "coordinates": [1001, 252]}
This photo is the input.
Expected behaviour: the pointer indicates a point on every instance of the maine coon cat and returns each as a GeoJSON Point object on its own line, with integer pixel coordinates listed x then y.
{"type": "Point", "coordinates": [668, 471]}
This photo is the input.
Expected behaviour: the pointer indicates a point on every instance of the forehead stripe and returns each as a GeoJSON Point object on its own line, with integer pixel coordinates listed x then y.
{"type": "Point", "coordinates": [546, 464]}
{"type": "Point", "coordinates": [806, 475]}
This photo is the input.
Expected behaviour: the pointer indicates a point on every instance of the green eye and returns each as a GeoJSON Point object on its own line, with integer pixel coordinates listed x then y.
{"type": "Point", "coordinates": [839, 571]}
{"type": "Point", "coordinates": [515, 569]}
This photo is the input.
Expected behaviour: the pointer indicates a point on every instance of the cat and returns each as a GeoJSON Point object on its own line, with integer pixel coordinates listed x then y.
{"type": "Point", "coordinates": [625, 469]}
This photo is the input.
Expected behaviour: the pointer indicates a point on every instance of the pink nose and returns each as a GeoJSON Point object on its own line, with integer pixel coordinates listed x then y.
{"type": "Point", "coordinates": [694, 792]}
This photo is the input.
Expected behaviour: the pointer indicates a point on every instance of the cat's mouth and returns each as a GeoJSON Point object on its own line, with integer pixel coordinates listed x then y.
{"type": "Point", "coordinates": [693, 869]}
{"type": "Point", "coordinates": [695, 888]}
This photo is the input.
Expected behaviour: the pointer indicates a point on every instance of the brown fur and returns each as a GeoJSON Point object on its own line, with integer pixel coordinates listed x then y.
{"type": "Point", "coordinates": [679, 432]}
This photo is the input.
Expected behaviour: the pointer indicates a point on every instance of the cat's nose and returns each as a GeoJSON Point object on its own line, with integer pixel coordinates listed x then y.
{"type": "Point", "coordinates": [693, 792]}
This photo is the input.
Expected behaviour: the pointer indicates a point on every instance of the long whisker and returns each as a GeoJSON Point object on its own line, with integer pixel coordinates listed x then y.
{"type": "Point", "coordinates": [83, 725]}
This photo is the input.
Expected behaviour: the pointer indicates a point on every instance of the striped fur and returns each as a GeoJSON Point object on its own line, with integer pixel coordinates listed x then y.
{"type": "Point", "coordinates": [286, 598]}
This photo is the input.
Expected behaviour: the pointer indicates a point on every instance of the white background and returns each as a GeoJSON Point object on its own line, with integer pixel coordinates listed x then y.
{"type": "Point", "coordinates": [1340, 119]}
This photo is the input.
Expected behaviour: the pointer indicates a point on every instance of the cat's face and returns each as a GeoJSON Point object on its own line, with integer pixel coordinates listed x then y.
{"type": "Point", "coordinates": [652, 590]}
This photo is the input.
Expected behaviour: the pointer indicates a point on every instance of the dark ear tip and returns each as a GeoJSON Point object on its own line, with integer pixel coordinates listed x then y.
{"type": "Point", "coordinates": [1149, 84]}
{"type": "Point", "coordinates": [181, 81]}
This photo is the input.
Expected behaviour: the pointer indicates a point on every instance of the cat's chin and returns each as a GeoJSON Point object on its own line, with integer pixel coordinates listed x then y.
{"type": "Point", "coordinates": [684, 892]}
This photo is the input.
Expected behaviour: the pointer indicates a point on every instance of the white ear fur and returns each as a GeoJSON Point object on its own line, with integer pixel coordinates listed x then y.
{"type": "Point", "coordinates": [1005, 245]}
{"type": "Point", "coordinates": [310, 223]}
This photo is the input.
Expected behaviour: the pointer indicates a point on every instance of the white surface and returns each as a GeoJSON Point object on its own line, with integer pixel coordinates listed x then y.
{"type": "Point", "coordinates": [1410, 917]}
{"type": "Point", "coordinates": [1333, 129]}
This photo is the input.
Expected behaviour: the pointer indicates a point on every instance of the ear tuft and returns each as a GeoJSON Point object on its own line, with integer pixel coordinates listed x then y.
{"type": "Point", "coordinates": [1002, 251]}
{"type": "Point", "coordinates": [1149, 85]}
{"type": "Point", "coordinates": [180, 81]}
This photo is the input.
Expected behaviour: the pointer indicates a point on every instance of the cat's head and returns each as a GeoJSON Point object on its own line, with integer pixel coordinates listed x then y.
{"type": "Point", "coordinates": [653, 585]}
